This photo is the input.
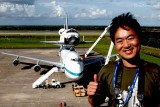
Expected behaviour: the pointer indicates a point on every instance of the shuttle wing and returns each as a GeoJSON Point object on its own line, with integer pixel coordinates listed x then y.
{"type": "Point", "coordinates": [35, 59]}
{"type": "Point", "coordinates": [62, 43]}
{"type": "Point", "coordinates": [85, 42]}
{"type": "Point", "coordinates": [52, 42]}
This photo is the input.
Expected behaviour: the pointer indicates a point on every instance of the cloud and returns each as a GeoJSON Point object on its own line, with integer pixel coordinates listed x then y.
{"type": "Point", "coordinates": [93, 13]}
{"type": "Point", "coordinates": [8, 9]}
{"type": "Point", "coordinates": [51, 9]}
{"type": "Point", "coordinates": [28, 2]}
{"type": "Point", "coordinates": [157, 5]}
{"type": "Point", "coordinates": [157, 16]}
{"type": "Point", "coordinates": [57, 8]}
{"type": "Point", "coordinates": [24, 9]}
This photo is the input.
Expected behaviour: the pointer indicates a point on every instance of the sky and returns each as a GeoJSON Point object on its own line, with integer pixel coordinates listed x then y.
{"type": "Point", "coordinates": [80, 12]}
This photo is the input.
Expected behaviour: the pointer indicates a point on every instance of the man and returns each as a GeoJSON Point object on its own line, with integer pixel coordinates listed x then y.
{"type": "Point", "coordinates": [130, 82]}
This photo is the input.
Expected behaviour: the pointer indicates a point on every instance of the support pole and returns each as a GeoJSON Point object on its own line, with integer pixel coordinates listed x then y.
{"type": "Point", "coordinates": [95, 43]}
{"type": "Point", "coordinates": [109, 53]}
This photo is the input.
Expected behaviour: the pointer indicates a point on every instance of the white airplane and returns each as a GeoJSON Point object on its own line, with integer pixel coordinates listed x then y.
{"type": "Point", "coordinates": [71, 63]}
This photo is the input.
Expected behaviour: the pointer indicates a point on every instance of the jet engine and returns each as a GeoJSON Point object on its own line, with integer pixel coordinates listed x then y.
{"type": "Point", "coordinates": [16, 62]}
{"type": "Point", "coordinates": [37, 68]}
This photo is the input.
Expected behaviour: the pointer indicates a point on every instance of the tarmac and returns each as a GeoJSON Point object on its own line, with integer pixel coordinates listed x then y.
{"type": "Point", "coordinates": [16, 83]}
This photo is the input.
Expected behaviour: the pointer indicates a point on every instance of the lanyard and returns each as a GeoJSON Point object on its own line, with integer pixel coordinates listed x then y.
{"type": "Point", "coordinates": [131, 87]}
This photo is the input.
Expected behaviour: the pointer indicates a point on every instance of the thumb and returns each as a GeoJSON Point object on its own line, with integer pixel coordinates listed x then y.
{"type": "Point", "coordinates": [95, 78]}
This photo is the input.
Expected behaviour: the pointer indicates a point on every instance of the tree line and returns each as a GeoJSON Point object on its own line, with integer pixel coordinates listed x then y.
{"type": "Point", "coordinates": [150, 37]}
{"type": "Point", "coordinates": [50, 28]}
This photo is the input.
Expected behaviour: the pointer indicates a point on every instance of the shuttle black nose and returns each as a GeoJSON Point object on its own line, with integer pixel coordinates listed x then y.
{"type": "Point", "coordinates": [73, 41]}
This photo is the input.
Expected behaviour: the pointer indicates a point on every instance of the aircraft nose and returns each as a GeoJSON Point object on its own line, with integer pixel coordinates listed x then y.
{"type": "Point", "coordinates": [73, 40]}
{"type": "Point", "coordinates": [74, 71]}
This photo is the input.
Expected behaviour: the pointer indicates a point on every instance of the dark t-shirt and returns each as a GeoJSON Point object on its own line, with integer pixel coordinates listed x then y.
{"type": "Point", "coordinates": [151, 83]}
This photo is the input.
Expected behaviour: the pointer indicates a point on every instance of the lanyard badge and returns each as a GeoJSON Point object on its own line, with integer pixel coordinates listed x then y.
{"type": "Point", "coordinates": [120, 100]}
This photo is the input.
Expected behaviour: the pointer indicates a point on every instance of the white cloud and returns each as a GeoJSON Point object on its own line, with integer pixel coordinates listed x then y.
{"type": "Point", "coordinates": [93, 13]}
{"type": "Point", "coordinates": [45, 9]}
{"type": "Point", "coordinates": [16, 10]}
{"type": "Point", "coordinates": [58, 9]}
{"type": "Point", "coordinates": [157, 6]}
{"type": "Point", "coordinates": [155, 16]}
{"type": "Point", "coordinates": [29, 2]}
{"type": "Point", "coordinates": [50, 9]}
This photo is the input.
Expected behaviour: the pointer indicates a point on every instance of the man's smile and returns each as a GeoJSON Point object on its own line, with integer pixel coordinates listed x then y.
{"type": "Point", "coordinates": [128, 51]}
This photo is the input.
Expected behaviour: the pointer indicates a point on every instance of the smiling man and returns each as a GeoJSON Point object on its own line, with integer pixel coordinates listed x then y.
{"type": "Point", "coordinates": [130, 82]}
{"type": "Point", "coordinates": [127, 45]}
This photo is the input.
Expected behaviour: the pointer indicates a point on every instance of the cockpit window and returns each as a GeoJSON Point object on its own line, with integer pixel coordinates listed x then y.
{"type": "Point", "coordinates": [71, 30]}
{"type": "Point", "coordinates": [77, 59]}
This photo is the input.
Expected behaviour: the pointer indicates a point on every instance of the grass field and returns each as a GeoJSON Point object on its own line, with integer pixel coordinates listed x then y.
{"type": "Point", "coordinates": [31, 39]}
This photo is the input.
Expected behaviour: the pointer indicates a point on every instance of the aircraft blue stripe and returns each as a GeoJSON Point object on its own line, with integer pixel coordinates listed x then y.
{"type": "Point", "coordinates": [72, 73]}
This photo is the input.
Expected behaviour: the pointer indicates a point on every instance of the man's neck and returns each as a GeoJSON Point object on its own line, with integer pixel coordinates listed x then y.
{"type": "Point", "coordinates": [131, 63]}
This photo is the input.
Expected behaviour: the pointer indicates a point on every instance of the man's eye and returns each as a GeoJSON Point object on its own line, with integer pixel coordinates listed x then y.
{"type": "Point", "coordinates": [119, 41]}
{"type": "Point", "coordinates": [131, 38]}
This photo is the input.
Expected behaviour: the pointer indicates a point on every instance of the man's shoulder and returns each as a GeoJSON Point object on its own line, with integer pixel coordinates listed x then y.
{"type": "Point", "coordinates": [151, 67]}
{"type": "Point", "coordinates": [109, 68]}
{"type": "Point", "coordinates": [107, 71]}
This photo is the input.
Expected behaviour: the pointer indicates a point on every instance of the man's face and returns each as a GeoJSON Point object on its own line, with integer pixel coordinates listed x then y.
{"type": "Point", "coordinates": [127, 43]}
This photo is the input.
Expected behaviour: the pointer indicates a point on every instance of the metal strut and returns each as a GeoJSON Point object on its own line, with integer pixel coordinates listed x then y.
{"type": "Point", "coordinates": [100, 37]}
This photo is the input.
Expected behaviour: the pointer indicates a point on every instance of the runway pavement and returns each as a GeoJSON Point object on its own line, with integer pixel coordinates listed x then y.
{"type": "Point", "coordinates": [16, 83]}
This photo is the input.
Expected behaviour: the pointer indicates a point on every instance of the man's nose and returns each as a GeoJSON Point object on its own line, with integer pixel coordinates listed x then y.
{"type": "Point", "coordinates": [126, 44]}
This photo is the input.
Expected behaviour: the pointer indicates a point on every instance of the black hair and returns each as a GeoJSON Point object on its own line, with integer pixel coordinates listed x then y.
{"type": "Point", "coordinates": [122, 21]}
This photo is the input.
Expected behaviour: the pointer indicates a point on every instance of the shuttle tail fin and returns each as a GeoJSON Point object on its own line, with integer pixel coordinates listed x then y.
{"type": "Point", "coordinates": [66, 21]}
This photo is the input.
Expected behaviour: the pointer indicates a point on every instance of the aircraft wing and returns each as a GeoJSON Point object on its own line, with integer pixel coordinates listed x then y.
{"type": "Point", "coordinates": [93, 60]}
{"type": "Point", "coordinates": [100, 59]}
{"type": "Point", "coordinates": [52, 42]}
{"type": "Point", "coordinates": [56, 43]}
{"type": "Point", "coordinates": [85, 42]}
{"type": "Point", "coordinates": [35, 59]}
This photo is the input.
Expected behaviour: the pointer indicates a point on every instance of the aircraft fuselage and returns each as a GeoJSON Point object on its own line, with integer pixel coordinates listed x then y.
{"type": "Point", "coordinates": [72, 64]}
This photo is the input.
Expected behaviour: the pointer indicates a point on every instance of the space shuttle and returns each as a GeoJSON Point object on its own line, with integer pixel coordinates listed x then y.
{"type": "Point", "coordinates": [68, 36]}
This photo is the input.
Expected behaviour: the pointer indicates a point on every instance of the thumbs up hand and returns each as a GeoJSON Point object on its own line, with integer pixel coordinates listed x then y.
{"type": "Point", "coordinates": [95, 78]}
{"type": "Point", "coordinates": [92, 86]}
